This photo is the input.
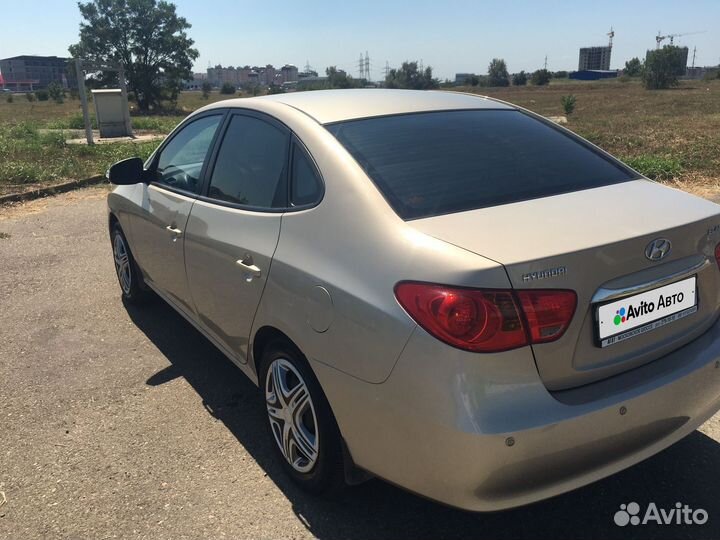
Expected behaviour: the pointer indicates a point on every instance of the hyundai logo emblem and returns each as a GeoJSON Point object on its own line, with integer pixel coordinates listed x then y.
{"type": "Point", "coordinates": [657, 249]}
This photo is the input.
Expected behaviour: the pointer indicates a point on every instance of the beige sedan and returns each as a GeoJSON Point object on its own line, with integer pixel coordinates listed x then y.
{"type": "Point", "coordinates": [438, 289]}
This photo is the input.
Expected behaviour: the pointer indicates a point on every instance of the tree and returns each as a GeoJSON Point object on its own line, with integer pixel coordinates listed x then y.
{"type": "Point", "coordinates": [227, 89]}
{"type": "Point", "coordinates": [568, 103]}
{"type": "Point", "coordinates": [498, 73]}
{"type": "Point", "coordinates": [662, 67]}
{"type": "Point", "coordinates": [540, 77]}
{"type": "Point", "coordinates": [520, 79]}
{"type": "Point", "coordinates": [147, 37]}
{"type": "Point", "coordinates": [337, 78]}
{"type": "Point", "coordinates": [560, 75]}
{"type": "Point", "coordinates": [56, 92]}
{"type": "Point", "coordinates": [206, 89]}
{"type": "Point", "coordinates": [633, 67]}
{"type": "Point", "coordinates": [409, 76]}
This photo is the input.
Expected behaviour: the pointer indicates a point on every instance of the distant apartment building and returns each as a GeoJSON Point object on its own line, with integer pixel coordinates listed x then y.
{"type": "Point", "coordinates": [33, 72]}
{"type": "Point", "coordinates": [594, 58]}
{"type": "Point", "coordinates": [289, 73]}
{"type": "Point", "coordinates": [196, 82]}
{"type": "Point", "coordinates": [242, 76]}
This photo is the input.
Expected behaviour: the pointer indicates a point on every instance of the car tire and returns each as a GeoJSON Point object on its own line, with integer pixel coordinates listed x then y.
{"type": "Point", "coordinates": [310, 447]}
{"type": "Point", "coordinates": [130, 278]}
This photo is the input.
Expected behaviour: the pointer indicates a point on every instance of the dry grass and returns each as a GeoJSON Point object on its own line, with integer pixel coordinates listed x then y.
{"type": "Point", "coordinates": [45, 113]}
{"type": "Point", "coordinates": [660, 126]}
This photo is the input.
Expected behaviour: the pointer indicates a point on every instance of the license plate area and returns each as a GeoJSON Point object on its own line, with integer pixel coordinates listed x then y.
{"type": "Point", "coordinates": [619, 320]}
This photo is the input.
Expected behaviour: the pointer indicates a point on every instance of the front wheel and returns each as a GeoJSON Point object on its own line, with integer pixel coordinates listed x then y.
{"type": "Point", "coordinates": [128, 274]}
{"type": "Point", "coordinates": [307, 439]}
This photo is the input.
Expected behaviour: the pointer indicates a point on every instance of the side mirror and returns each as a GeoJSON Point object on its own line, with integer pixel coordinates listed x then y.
{"type": "Point", "coordinates": [127, 171]}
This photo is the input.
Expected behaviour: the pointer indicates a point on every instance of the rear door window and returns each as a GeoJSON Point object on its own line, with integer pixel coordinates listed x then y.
{"type": "Point", "coordinates": [434, 163]}
{"type": "Point", "coordinates": [306, 187]}
{"type": "Point", "coordinates": [251, 165]}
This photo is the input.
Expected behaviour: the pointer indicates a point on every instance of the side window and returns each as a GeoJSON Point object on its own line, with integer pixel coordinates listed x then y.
{"type": "Point", "coordinates": [305, 187]}
{"type": "Point", "coordinates": [251, 164]}
{"type": "Point", "coordinates": [181, 161]}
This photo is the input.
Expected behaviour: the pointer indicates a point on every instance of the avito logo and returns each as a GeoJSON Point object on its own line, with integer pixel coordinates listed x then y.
{"type": "Point", "coordinates": [682, 514]}
{"type": "Point", "coordinates": [645, 308]}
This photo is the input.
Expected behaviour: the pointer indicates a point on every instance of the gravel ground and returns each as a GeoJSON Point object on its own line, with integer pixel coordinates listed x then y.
{"type": "Point", "coordinates": [126, 423]}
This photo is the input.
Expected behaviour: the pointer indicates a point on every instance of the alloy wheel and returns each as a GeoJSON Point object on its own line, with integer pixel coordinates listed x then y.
{"type": "Point", "coordinates": [292, 415]}
{"type": "Point", "coordinates": [122, 263]}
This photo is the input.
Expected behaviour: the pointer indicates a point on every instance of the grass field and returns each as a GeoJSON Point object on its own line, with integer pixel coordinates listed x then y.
{"type": "Point", "coordinates": [666, 134]}
{"type": "Point", "coordinates": [671, 135]}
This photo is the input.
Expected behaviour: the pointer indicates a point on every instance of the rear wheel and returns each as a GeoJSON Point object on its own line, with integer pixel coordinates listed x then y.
{"type": "Point", "coordinates": [301, 424]}
{"type": "Point", "coordinates": [129, 276]}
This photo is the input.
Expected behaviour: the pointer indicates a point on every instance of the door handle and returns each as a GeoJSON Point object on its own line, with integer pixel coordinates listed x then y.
{"type": "Point", "coordinates": [173, 230]}
{"type": "Point", "coordinates": [247, 265]}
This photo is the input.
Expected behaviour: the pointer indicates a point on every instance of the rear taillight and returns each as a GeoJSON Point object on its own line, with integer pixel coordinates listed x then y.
{"type": "Point", "coordinates": [487, 320]}
{"type": "Point", "coordinates": [548, 313]}
{"type": "Point", "coordinates": [717, 255]}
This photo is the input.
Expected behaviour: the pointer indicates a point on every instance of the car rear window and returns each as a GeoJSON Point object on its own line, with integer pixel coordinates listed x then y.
{"type": "Point", "coordinates": [434, 163]}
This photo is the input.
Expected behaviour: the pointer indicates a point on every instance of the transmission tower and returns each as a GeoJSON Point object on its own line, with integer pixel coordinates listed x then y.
{"type": "Point", "coordinates": [361, 66]}
{"type": "Point", "coordinates": [387, 69]}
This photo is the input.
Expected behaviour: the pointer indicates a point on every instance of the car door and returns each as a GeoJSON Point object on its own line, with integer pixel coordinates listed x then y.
{"type": "Point", "coordinates": [176, 173]}
{"type": "Point", "coordinates": [233, 230]}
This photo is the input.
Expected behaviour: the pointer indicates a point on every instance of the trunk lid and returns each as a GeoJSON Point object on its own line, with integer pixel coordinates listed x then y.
{"type": "Point", "coordinates": [593, 242]}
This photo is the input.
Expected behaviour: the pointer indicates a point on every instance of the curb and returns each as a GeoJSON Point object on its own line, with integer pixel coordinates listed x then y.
{"type": "Point", "coordinates": [50, 190]}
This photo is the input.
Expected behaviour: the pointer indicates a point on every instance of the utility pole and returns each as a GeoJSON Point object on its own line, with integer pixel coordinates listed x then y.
{"type": "Point", "coordinates": [545, 62]}
{"type": "Point", "coordinates": [124, 94]}
{"type": "Point", "coordinates": [367, 66]}
{"type": "Point", "coordinates": [83, 100]}
{"type": "Point", "coordinates": [693, 62]}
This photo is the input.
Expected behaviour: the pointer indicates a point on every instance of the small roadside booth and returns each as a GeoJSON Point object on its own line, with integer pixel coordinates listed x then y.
{"type": "Point", "coordinates": [113, 117]}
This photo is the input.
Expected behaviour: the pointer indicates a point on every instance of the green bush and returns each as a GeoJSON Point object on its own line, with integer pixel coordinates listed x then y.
{"type": "Point", "coordinates": [30, 96]}
{"type": "Point", "coordinates": [662, 68]}
{"type": "Point", "coordinates": [41, 95]}
{"type": "Point", "coordinates": [657, 167]}
{"type": "Point", "coordinates": [227, 89]}
{"type": "Point", "coordinates": [56, 92]}
{"type": "Point", "coordinates": [9, 98]}
{"type": "Point", "coordinates": [541, 77]}
{"type": "Point", "coordinates": [206, 89]}
{"type": "Point", "coordinates": [520, 79]}
{"type": "Point", "coordinates": [568, 104]}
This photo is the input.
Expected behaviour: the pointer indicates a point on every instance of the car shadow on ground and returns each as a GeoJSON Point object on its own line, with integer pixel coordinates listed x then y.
{"type": "Point", "coordinates": [688, 472]}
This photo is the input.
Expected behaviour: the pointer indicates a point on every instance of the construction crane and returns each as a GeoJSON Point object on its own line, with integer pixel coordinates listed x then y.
{"type": "Point", "coordinates": [611, 35]}
{"type": "Point", "coordinates": [660, 38]}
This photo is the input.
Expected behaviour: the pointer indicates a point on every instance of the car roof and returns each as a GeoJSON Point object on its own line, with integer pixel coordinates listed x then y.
{"type": "Point", "coordinates": [328, 106]}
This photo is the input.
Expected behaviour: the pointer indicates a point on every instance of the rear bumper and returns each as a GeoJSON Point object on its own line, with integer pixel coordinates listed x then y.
{"type": "Point", "coordinates": [481, 432]}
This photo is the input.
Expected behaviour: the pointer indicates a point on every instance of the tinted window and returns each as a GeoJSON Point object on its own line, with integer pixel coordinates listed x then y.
{"type": "Point", "coordinates": [250, 167]}
{"type": "Point", "coordinates": [181, 161]}
{"type": "Point", "coordinates": [436, 163]}
{"type": "Point", "coordinates": [306, 186]}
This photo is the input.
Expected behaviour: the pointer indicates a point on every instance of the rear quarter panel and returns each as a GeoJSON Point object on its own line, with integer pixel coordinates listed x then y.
{"type": "Point", "coordinates": [356, 248]}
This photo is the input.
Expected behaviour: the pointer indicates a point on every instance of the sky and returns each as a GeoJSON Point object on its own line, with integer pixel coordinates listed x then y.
{"type": "Point", "coordinates": [451, 36]}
